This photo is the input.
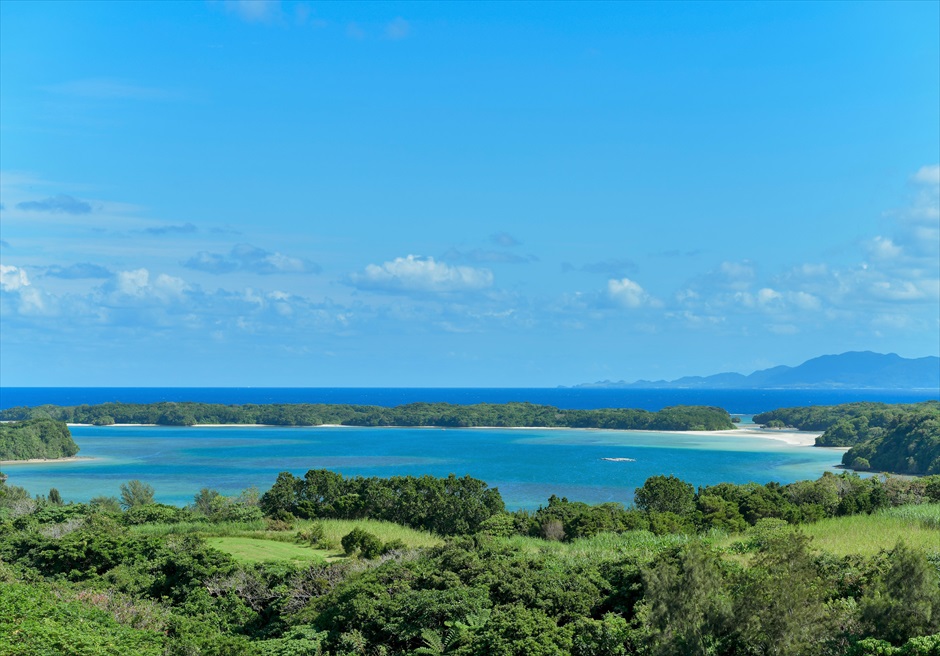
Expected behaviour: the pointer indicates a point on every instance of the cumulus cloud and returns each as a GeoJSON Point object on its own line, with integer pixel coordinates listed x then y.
{"type": "Point", "coordinates": [419, 274]}
{"type": "Point", "coordinates": [628, 293]}
{"type": "Point", "coordinates": [60, 204]}
{"type": "Point", "coordinates": [397, 29]}
{"type": "Point", "coordinates": [78, 271]}
{"type": "Point", "coordinates": [928, 175]}
{"type": "Point", "coordinates": [250, 259]}
{"type": "Point", "coordinates": [12, 278]}
{"type": "Point", "coordinates": [184, 229]}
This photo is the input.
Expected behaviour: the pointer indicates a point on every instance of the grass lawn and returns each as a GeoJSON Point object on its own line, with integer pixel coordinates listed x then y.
{"type": "Point", "coordinates": [256, 550]}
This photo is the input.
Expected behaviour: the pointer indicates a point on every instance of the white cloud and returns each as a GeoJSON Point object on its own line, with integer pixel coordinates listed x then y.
{"type": "Point", "coordinates": [804, 300]}
{"type": "Point", "coordinates": [929, 175]}
{"type": "Point", "coordinates": [767, 296]}
{"type": "Point", "coordinates": [628, 293]}
{"type": "Point", "coordinates": [12, 278]}
{"type": "Point", "coordinates": [419, 274]}
{"type": "Point", "coordinates": [883, 248]}
{"type": "Point", "coordinates": [138, 284]}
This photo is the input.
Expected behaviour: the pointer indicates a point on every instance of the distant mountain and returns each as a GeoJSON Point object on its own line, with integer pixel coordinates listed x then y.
{"type": "Point", "coordinates": [852, 370]}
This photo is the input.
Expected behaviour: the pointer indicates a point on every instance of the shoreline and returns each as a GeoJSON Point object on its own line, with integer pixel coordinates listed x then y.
{"type": "Point", "coordinates": [790, 437]}
{"type": "Point", "coordinates": [46, 461]}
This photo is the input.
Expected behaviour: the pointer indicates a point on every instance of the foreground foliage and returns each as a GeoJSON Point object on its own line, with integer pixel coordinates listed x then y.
{"type": "Point", "coordinates": [723, 570]}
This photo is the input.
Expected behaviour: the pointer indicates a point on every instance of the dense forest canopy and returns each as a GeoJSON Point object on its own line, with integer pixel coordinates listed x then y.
{"type": "Point", "coordinates": [723, 570]}
{"type": "Point", "coordinates": [36, 438]}
{"type": "Point", "coordinates": [413, 414]}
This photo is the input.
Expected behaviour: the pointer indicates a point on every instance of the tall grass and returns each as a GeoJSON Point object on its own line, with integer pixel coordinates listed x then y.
{"type": "Point", "coordinates": [603, 546]}
{"type": "Point", "coordinates": [917, 525]}
{"type": "Point", "coordinates": [221, 529]}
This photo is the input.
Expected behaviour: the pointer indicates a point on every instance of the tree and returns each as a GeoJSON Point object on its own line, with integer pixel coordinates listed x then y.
{"type": "Point", "coordinates": [135, 493]}
{"type": "Point", "coordinates": [779, 609]}
{"type": "Point", "coordinates": [685, 604]}
{"type": "Point", "coordinates": [665, 494]}
{"type": "Point", "coordinates": [906, 601]}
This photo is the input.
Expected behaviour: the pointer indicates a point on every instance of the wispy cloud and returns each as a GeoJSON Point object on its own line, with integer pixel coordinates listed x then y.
{"type": "Point", "coordinates": [60, 204]}
{"type": "Point", "coordinates": [251, 259]}
{"type": "Point", "coordinates": [355, 31]}
{"type": "Point", "coordinates": [419, 274]}
{"type": "Point", "coordinates": [184, 229]}
{"type": "Point", "coordinates": [78, 271]}
{"type": "Point", "coordinates": [504, 239]}
{"type": "Point", "coordinates": [254, 11]}
{"type": "Point", "coordinates": [397, 29]}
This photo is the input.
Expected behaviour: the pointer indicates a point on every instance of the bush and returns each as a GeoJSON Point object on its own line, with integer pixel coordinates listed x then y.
{"type": "Point", "coordinates": [368, 545]}
{"type": "Point", "coordinates": [313, 535]}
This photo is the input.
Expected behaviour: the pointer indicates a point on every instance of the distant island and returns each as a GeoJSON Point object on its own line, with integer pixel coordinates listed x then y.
{"type": "Point", "coordinates": [441, 415]}
{"type": "Point", "coordinates": [851, 370]}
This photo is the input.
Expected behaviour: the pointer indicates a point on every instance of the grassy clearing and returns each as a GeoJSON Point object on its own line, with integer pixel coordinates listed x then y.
{"type": "Point", "coordinates": [918, 526]}
{"type": "Point", "coordinates": [604, 546]}
{"type": "Point", "coordinates": [250, 542]}
{"type": "Point", "coordinates": [254, 550]}
{"type": "Point", "coordinates": [335, 529]}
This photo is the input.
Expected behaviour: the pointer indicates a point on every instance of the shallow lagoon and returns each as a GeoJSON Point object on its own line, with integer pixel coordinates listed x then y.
{"type": "Point", "coordinates": [526, 465]}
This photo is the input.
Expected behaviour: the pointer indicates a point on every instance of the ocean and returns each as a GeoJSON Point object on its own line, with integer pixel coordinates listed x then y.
{"type": "Point", "coordinates": [734, 401]}
{"type": "Point", "coordinates": [526, 465]}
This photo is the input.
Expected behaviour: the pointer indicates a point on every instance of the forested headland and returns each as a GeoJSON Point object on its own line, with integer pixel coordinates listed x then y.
{"type": "Point", "coordinates": [36, 438]}
{"type": "Point", "coordinates": [899, 438]}
{"type": "Point", "coordinates": [840, 566]}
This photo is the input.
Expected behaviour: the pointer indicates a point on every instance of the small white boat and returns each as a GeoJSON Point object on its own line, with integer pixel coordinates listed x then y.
{"type": "Point", "coordinates": [619, 459]}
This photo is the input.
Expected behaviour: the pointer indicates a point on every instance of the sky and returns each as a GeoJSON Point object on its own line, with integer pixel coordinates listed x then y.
{"type": "Point", "coordinates": [251, 193]}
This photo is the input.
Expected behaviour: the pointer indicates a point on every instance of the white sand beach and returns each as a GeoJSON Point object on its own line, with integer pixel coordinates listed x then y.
{"type": "Point", "coordinates": [45, 461]}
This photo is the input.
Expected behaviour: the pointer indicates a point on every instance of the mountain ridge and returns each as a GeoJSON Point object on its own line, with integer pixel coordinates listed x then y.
{"type": "Point", "coordinates": [849, 370]}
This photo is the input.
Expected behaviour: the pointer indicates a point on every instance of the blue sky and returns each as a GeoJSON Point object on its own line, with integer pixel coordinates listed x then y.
{"type": "Point", "coordinates": [463, 194]}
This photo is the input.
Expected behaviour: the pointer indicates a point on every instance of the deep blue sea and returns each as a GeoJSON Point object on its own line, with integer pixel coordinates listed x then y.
{"type": "Point", "coordinates": [527, 465]}
{"type": "Point", "coordinates": [734, 401]}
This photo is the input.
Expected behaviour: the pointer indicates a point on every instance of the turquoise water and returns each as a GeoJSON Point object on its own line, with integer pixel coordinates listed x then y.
{"type": "Point", "coordinates": [526, 465]}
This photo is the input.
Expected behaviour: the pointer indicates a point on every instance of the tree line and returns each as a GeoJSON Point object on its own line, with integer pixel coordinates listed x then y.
{"type": "Point", "coordinates": [444, 415]}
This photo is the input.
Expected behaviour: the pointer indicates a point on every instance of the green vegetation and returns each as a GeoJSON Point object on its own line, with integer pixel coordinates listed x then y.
{"type": "Point", "coordinates": [413, 414]}
{"type": "Point", "coordinates": [258, 550]}
{"type": "Point", "coordinates": [899, 438]}
{"type": "Point", "coordinates": [36, 438]}
{"type": "Point", "coordinates": [840, 565]}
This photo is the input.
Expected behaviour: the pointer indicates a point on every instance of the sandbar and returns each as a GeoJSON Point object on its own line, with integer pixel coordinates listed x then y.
{"type": "Point", "coordinates": [46, 461]}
